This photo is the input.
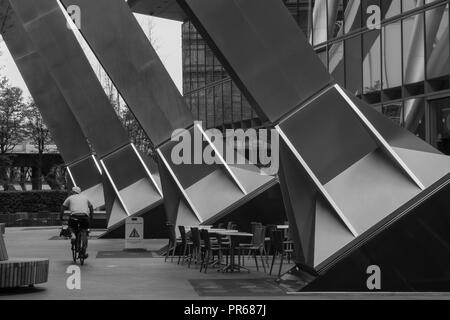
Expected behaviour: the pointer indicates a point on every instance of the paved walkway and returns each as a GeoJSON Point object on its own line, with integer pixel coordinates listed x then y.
{"type": "Point", "coordinates": [143, 278]}
{"type": "Point", "coordinates": [112, 278]}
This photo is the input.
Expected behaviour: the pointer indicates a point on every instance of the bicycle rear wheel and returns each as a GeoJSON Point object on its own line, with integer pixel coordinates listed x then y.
{"type": "Point", "coordinates": [83, 246]}
{"type": "Point", "coordinates": [74, 253]}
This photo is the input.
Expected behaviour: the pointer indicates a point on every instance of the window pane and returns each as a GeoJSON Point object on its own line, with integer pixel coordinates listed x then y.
{"type": "Point", "coordinates": [335, 18]}
{"type": "Point", "coordinates": [413, 49]}
{"type": "Point", "coordinates": [319, 18]}
{"type": "Point", "coordinates": [237, 104]}
{"type": "Point", "coordinates": [322, 53]}
{"type": "Point", "coordinates": [209, 65]}
{"type": "Point", "coordinates": [353, 61]}
{"type": "Point", "coordinates": [414, 118]}
{"type": "Point", "coordinates": [227, 107]}
{"type": "Point", "coordinates": [412, 4]}
{"type": "Point", "coordinates": [390, 8]}
{"type": "Point", "coordinates": [437, 42]}
{"type": "Point", "coordinates": [372, 61]}
{"type": "Point", "coordinates": [394, 111]}
{"type": "Point", "coordinates": [194, 105]}
{"type": "Point", "coordinates": [352, 16]}
{"type": "Point", "coordinates": [392, 54]}
{"type": "Point", "coordinates": [218, 105]}
{"type": "Point", "coordinates": [210, 108]}
{"type": "Point", "coordinates": [336, 62]}
{"type": "Point", "coordinates": [246, 109]}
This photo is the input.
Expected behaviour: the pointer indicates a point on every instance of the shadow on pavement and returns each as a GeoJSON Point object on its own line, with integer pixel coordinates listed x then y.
{"type": "Point", "coordinates": [20, 291]}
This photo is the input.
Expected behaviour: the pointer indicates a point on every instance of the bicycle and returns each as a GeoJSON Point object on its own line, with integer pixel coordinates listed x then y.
{"type": "Point", "coordinates": [79, 244]}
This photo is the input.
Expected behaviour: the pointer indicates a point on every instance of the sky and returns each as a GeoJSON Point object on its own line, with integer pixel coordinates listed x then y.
{"type": "Point", "coordinates": [167, 35]}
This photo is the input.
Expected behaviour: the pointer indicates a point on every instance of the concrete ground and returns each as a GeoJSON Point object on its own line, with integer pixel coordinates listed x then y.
{"type": "Point", "coordinates": [131, 278]}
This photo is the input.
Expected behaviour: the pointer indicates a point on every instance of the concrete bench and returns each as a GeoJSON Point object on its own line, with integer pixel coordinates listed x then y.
{"type": "Point", "coordinates": [20, 272]}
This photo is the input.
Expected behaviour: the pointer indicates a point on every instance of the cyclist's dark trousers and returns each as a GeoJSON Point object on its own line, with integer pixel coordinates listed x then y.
{"type": "Point", "coordinates": [78, 222]}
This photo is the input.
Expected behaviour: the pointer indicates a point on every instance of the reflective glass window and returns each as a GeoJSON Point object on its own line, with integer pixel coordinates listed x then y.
{"type": "Point", "coordinates": [352, 16]}
{"type": "Point", "coordinates": [210, 114]}
{"type": "Point", "coordinates": [394, 111]}
{"type": "Point", "coordinates": [353, 63]}
{"type": "Point", "coordinates": [336, 62]}
{"type": "Point", "coordinates": [413, 49]}
{"type": "Point", "coordinates": [227, 106]}
{"type": "Point", "coordinates": [437, 36]}
{"type": "Point", "coordinates": [414, 117]}
{"type": "Point", "coordinates": [371, 61]}
{"type": "Point", "coordinates": [392, 55]}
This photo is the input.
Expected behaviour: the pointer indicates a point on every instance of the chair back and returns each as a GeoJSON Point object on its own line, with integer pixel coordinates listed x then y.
{"type": "Point", "coordinates": [269, 229]}
{"type": "Point", "coordinates": [276, 240]}
{"type": "Point", "coordinates": [195, 235]}
{"type": "Point", "coordinates": [259, 236]}
{"type": "Point", "coordinates": [183, 236]}
{"type": "Point", "coordinates": [221, 226]}
{"type": "Point", "coordinates": [288, 234]}
{"type": "Point", "coordinates": [220, 240]}
{"type": "Point", "coordinates": [230, 225]}
{"type": "Point", "coordinates": [254, 225]}
{"type": "Point", "coordinates": [204, 234]}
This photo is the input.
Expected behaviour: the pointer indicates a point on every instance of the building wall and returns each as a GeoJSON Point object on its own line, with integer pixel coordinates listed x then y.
{"type": "Point", "coordinates": [393, 54]}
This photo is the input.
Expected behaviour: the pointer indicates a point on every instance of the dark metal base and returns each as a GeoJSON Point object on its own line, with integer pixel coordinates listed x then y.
{"type": "Point", "coordinates": [411, 248]}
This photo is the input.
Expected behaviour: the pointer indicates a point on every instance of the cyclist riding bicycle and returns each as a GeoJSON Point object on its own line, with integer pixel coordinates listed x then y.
{"type": "Point", "coordinates": [81, 213]}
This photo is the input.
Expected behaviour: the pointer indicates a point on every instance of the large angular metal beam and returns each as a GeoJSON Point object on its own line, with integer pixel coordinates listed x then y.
{"type": "Point", "coordinates": [136, 70]}
{"type": "Point", "coordinates": [410, 249]}
{"type": "Point", "coordinates": [167, 9]}
{"type": "Point", "coordinates": [136, 188]}
{"type": "Point", "coordinates": [357, 166]}
{"type": "Point", "coordinates": [64, 128]}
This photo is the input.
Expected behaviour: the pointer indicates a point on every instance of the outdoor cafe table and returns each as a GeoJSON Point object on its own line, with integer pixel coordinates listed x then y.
{"type": "Point", "coordinates": [210, 230]}
{"type": "Point", "coordinates": [234, 237]}
{"type": "Point", "coordinates": [199, 227]}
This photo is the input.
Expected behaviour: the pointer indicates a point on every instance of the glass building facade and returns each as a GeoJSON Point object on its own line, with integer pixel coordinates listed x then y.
{"type": "Point", "coordinates": [393, 54]}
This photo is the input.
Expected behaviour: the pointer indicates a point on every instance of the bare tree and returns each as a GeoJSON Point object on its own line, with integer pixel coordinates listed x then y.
{"type": "Point", "coordinates": [37, 132]}
{"type": "Point", "coordinates": [12, 116]}
{"type": "Point", "coordinates": [12, 132]}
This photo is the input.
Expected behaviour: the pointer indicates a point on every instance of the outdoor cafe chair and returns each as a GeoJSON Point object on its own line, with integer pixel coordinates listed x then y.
{"type": "Point", "coordinates": [186, 243]}
{"type": "Point", "coordinates": [173, 242]}
{"type": "Point", "coordinates": [254, 225]}
{"type": "Point", "coordinates": [196, 247]}
{"type": "Point", "coordinates": [257, 246]}
{"type": "Point", "coordinates": [277, 246]}
{"type": "Point", "coordinates": [208, 250]}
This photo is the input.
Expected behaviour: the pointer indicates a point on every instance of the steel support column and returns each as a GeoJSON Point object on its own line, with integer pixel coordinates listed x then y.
{"type": "Point", "coordinates": [193, 193]}
{"type": "Point", "coordinates": [135, 191]}
{"type": "Point", "coordinates": [345, 169]}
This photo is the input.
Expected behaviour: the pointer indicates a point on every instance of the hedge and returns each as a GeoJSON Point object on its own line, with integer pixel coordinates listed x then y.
{"type": "Point", "coordinates": [31, 201]}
